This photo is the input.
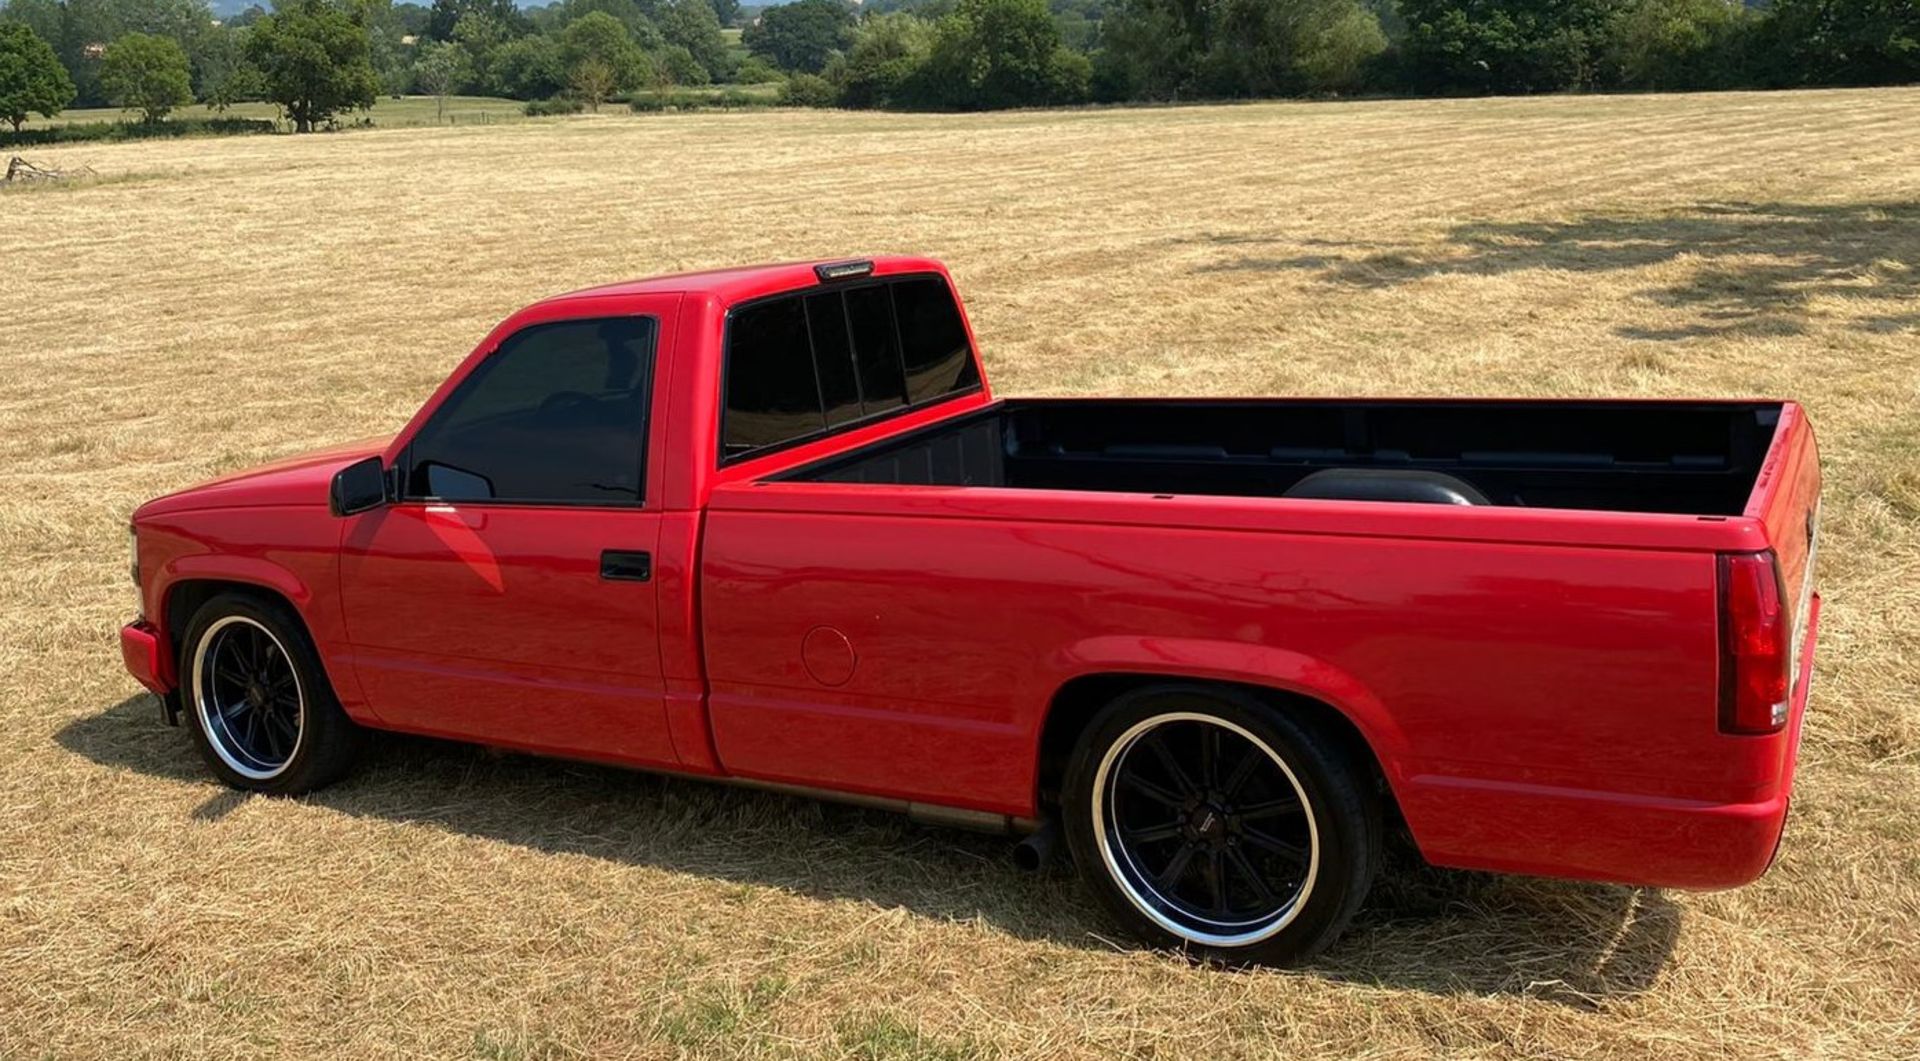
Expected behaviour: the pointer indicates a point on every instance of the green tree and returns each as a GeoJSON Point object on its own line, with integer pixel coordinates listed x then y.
{"type": "Point", "coordinates": [594, 82]}
{"type": "Point", "coordinates": [675, 65]}
{"type": "Point", "coordinates": [1678, 44]}
{"type": "Point", "coordinates": [637, 17]}
{"type": "Point", "coordinates": [598, 36]}
{"type": "Point", "coordinates": [754, 70]}
{"type": "Point", "coordinates": [146, 73]}
{"type": "Point", "coordinates": [808, 90]}
{"type": "Point", "coordinates": [480, 36]}
{"type": "Point", "coordinates": [1505, 46]}
{"type": "Point", "coordinates": [601, 59]}
{"type": "Point", "coordinates": [47, 18]}
{"type": "Point", "coordinates": [440, 68]}
{"type": "Point", "coordinates": [1336, 50]}
{"type": "Point", "coordinates": [87, 25]}
{"type": "Point", "coordinates": [411, 18]}
{"type": "Point", "coordinates": [387, 29]}
{"type": "Point", "coordinates": [313, 56]}
{"type": "Point", "coordinates": [889, 52]}
{"type": "Point", "coordinates": [1169, 49]}
{"type": "Point", "coordinates": [31, 77]}
{"type": "Point", "coordinates": [727, 11]}
{"type": "Point", "coordinates": [1077, 30]}
{"type": "Point", "coordinates": [1152, 50]}
{"type": "Point", "coordinates": [691, 24]}
{"type": "Point", "coordinates": [990, 54]}
{"type": "Point", "coordinates": [222, 74]}
{"type": "Point", "coordinates": [250, 17]}
{"type": "Point", "coordinates": [445, 16]}
{"type": "Point", "coordinates": [1288, 47]}
{"type": "Point", "coordinates": [1839, 42]}
{"type": "Point", "coordinates": [802, 35]}
{"type": "Point", "coordinates": [528, 68]}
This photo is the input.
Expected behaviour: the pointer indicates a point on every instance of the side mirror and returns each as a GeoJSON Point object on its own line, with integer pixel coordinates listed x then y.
{"type": "Point", "coordinates": [358, 487]}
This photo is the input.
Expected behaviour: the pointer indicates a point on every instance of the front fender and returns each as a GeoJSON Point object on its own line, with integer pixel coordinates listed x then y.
{"type": "Point", "coordinates": [251, 570]}
{"type": "Point", "coordinates": [290, 551]}
{"type": "Point", "coordinates": [1245, 664]}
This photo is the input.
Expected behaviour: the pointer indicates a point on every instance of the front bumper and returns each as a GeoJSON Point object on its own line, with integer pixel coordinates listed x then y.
{"type": "Point", "coordinates": [146, 660]}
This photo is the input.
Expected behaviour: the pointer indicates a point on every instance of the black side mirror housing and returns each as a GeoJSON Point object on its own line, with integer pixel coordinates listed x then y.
{"type": "Point", "coordinates": [358, 487]}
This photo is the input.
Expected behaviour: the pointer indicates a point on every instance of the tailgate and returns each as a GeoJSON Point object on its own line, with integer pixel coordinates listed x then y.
{"type": "Point", "coordinates": [1786, 499]}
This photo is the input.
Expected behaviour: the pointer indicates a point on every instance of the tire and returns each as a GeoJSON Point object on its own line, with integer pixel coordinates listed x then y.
{"type": "Point", "coordinates": [1280, 821]}
{"type": "Point", "coordinates": [257, 700]}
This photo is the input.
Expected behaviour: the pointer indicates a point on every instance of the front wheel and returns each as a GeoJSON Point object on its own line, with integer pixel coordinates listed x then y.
{"type": "Point", "coordinates": [1208, 821]}
{"type": "Point", "coordinates": [258, 702]}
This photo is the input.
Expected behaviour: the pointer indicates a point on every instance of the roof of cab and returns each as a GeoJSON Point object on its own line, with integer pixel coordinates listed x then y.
{"type": "Point", "coordinates": [749, 281]}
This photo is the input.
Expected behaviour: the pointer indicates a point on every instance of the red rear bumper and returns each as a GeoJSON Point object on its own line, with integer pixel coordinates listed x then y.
{"type": "Point", "coordinates": [1561, 832]}
{"type": "Point", "coordinates": [140, 648]}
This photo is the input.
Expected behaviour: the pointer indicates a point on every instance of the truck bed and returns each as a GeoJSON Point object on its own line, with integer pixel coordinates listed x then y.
{"type": "Point", "coordinates": [1699, 458]}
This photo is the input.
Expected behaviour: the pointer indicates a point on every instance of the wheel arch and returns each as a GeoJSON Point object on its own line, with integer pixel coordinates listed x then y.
{"type": "Point", "coordinates": [1337, 704]}
{"type": "Point", "coordinates": [182, 598]}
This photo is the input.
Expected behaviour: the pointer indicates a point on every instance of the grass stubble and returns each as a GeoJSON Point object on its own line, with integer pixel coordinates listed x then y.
{"type": "Point", "coordinates": [251, 297]}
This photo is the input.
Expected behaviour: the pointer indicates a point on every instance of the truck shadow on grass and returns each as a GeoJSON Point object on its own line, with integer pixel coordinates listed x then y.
{"type": "Point", "coordinates": [1756, 268]}
{"type": "Point", "coordinates": [1432, 930]}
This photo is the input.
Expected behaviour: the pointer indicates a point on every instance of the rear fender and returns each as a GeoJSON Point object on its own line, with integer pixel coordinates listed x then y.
{"type": "Point", "coordinates": [1247, 664]}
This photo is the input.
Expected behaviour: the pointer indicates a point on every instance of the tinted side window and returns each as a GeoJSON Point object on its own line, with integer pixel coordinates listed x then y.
{"type": "Point", "coordinates": [558, 413]}
{"type": "Point", "coordinates": [933, 339]}
{"type": "Point", "coordinates": [772, 395]}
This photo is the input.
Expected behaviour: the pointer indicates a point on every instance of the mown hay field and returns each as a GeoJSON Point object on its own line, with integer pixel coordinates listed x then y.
{"type": "Point", "coordinates": [207, 304]}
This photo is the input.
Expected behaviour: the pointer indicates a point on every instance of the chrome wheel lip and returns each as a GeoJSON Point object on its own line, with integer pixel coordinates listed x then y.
{"type": "Point", "coordinates": [1119, 862]}
{"type": "Point", "coordinates": [218, 738]}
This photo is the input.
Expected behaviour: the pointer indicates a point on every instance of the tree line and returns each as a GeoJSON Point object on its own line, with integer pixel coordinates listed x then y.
{"type": "Point", "coordinates": [318, 59]}
{"type": "Point", "coordinates": [968, 54]}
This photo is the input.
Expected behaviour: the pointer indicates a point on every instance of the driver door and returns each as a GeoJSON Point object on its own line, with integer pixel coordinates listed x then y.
{"type": "Point", "coordinates": [507, 596]}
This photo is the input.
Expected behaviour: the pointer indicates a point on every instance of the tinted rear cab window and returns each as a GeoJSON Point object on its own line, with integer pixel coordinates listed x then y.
{"type": "Point", "coordinates": [933, 342]}
{"type": "Point", "coordinates": [800, 365]}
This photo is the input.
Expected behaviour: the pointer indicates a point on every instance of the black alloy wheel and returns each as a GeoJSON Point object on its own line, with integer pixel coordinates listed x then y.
{"type": "Point", "coordinates": [1209, 821]}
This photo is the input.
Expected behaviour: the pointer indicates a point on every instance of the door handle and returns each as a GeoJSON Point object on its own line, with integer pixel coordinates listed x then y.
{"type": "Point", "coordinates": [626, 566]}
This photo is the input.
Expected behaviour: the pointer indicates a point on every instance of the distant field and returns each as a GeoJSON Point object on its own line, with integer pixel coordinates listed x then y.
{"type": "Point", "coordinates": [210, 304]}
{"type": "Point", "coordinates": [387, 113]}
{"type": "Point", "coordinates": [405, 112]}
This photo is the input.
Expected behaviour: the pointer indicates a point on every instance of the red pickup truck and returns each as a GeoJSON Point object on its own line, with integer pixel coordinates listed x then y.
{"type": "Point", "coordinates": [768, 525]}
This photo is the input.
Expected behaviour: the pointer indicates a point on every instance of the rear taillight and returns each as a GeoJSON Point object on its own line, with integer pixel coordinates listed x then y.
{"type": "Point", "coordinates": [1754, 649]}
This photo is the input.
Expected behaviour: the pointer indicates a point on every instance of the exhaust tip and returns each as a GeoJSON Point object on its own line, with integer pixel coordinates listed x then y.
{"type": "Point", "coordinates": [1035, 853]}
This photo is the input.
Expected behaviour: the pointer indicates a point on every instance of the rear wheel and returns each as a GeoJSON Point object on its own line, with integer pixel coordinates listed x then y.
{"type": "Point", "coordinates": [1207, 821]}
{"type": "Point", "coordinates": [258, 702]}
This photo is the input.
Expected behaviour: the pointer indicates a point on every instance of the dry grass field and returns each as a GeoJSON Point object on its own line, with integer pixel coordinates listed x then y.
{"type": "Point", "coordinates": [207, 304]}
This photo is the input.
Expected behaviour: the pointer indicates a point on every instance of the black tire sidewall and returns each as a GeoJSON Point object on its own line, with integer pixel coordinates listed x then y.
{"type": "Point", "coordinates": [327, 737]}
{"type": "Point", "coordinates": [1346, 818]}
